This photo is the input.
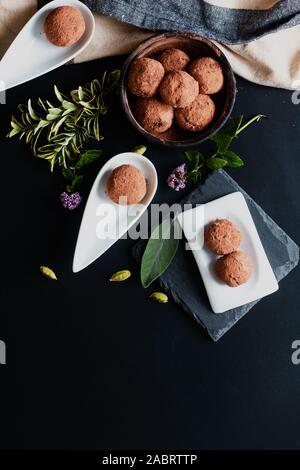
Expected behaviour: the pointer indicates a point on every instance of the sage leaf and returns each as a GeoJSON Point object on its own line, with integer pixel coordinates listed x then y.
{"type": "Point", "coordinates": [160, 250]}
{"type": "Point", "coordinates": [87, 157]}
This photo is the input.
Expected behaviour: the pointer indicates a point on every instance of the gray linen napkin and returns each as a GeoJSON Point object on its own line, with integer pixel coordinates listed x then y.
{"type": "Point", "coordinates": [182, 279]}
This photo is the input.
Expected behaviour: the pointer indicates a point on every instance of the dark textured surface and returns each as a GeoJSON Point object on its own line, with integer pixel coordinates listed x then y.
{"type": "Point", "coordinates": [96, 365]}
{"type": "Point", "coordinates": [181, 279]}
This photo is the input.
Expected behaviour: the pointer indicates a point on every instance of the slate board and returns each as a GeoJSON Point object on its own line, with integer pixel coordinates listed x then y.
{"type": "Point", "coordinates": [182, 279]}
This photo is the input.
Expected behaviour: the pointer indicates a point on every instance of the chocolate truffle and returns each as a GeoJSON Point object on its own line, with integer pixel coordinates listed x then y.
{"type": "Point", "coordinates": [126, 185]}
{"type": "Point", "coordinates": [222, 237]}
{"type": "Point", "coordinates": [153, 115]}
{"type": "Point", "coordinates": [197, 115]}
{"type": "Point", "coordinates": [178, 89]}
{"type": "Point", "coordinates": [234, 269]}
{"type": "Point", "coordinates": [173, 59]}
{"type": "Point", "coordinates": [144, 77]}
{"type": "Point", "coordinates": [64, 26]}
{"type": "Point", "coordinates": [209, 75]}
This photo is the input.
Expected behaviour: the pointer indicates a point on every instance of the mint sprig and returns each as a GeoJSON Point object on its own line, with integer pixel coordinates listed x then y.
{"type": "Point", "coordinates": [223, 157]}
{"type": "Point", "coordinates": [71, 174]}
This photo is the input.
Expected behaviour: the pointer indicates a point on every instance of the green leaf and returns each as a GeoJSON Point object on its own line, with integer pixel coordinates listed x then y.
{"type": "Point", "coordinates": [222, 140]}
{"type": "Point", "coordinates": [233, 160]}
{"type": "Point", "coordinates": [87, 157]}
{"type": "Point", "coordinates": [77, 123]}
{"type": "Point", "coordinates": [68, 105]}
{"type": "Point", "coordinates": [215, 163]}
{"type": "Point", "coordinates": [67, 174]}
{"type": "Point", "coordinates": [58, 94]}
{"type": "Point", "coordinates": [14, 132]}
{"type": "Point", "coordinates": [160, 250]}
{"type": "Point", "coordinates": [194, 157]}
{"type": "Point", "coordinates": [31, 111]}
{"type": "Point", "coordinates": [77, 180]}
{"type": "Point", "coordinates": [234, 126]}
{"type": "Point", "coordinates": [194, 176]}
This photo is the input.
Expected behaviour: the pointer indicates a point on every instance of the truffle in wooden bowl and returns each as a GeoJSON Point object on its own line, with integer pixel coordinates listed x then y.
{"type": "Point", "coordinates": [189, 84]}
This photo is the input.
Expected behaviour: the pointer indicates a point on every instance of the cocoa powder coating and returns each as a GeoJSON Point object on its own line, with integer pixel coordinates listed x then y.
{"type": "Point", "coordinates": [64, 26]}
{"type": "Point", "coordinates": [208, 73]}
{"type": "Point", "coordinates": [234, 269]}
{"type": "Point", "coordinates": [178, 89]}
{"type": "Point", "coordinates": [153, 115]}
{"type": "Point", "coordinates": [144, 77]}
{"type": "Point", "coordinates": [198, 115]}
{"type": "Point", "coordinates": [222, 237]}
{"type": "Point", "coordinates": [173, 59]}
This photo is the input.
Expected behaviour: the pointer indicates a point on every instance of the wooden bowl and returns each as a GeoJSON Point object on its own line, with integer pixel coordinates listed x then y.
{"type": "Point", "coordinates": [195, 46]}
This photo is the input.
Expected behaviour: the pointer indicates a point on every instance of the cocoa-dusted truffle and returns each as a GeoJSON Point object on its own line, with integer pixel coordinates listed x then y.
{"type": "Point", "coordinates": [234, 269]}
{"type": "Point", "coordinates": [126, 185]}
{"type": "Point", "coordinates": [144, 77]}
{"type": "Point", "coordinates": [208, 73]}
{"type": "Point", "coordinates": [178, 89]}
{"type": "Point", "coordinates": [153, 115]}
{"type": "Point", "coordinates": [64, 26]}
{"type": "Point", "coordinates": [222, 237]}
{"type": "Point", "coordinates": [173, 59]}
{"type": "Point", "coordinates": [197, 115]}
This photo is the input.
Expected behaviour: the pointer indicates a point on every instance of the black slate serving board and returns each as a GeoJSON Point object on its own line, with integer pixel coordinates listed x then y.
{"type": "Point", "coordinates": [182, 279]}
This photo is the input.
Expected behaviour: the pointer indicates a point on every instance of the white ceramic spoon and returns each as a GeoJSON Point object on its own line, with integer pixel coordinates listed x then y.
{"type": "Point", "coordinates": [103, 221]}
{"type": "Point", "coordinates": [32, 55]}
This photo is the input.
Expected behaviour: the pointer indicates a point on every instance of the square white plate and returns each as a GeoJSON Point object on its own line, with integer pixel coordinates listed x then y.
{"type": "Point", "coordinates": [232, 207]}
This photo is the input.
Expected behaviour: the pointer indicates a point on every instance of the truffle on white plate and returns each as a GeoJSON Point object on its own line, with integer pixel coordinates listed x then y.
{"type": "Point", "coordinates": [126, 185]}
{"type": "Point", "coordinates": [64, 26]}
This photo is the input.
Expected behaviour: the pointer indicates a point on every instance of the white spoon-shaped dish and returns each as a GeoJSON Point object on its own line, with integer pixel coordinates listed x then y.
{"type": "Point", "coordinates": [103, 221]}
{"type": "Point", "coordinates": [32, 55]}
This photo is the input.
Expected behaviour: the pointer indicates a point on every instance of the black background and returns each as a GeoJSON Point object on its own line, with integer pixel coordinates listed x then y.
{"type": "Point", "coordinates": [97, 365]}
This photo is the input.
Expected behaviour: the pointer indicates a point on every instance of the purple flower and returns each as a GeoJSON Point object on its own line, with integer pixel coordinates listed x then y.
{"type": "Point", "coordinates": [70, 201]}
{"type": "Point", "coordinates": [177, 179]}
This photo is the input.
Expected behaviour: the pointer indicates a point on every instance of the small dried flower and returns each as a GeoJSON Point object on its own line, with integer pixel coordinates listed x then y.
{"type": "Point", "coordinates": [177, 179]}
{"type": "Point", "coordinates": [70, 201]}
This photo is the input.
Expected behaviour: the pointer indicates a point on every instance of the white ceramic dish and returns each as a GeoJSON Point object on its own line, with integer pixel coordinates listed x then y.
{"type": "Point", "coordinates": [32, 55]}
{"type": "Point", "coordinates": [234, 208]}
{"type": "Point", "coordinates": [103, 221]}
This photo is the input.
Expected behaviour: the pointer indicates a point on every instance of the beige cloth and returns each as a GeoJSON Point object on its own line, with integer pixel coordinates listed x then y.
{"type": "Point", "coordinates": [272, 60]}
